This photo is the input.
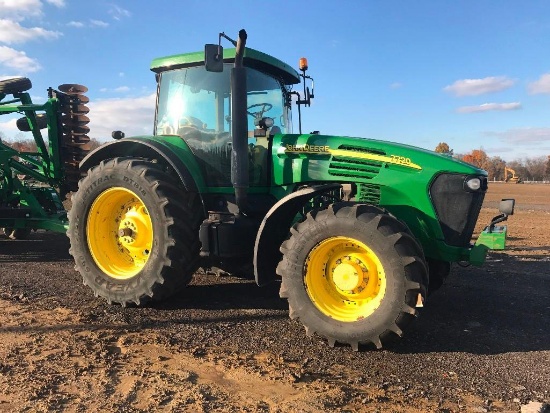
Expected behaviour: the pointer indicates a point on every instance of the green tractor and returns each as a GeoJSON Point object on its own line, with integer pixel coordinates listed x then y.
{"type": "Point", "coordinates": [357, 231]}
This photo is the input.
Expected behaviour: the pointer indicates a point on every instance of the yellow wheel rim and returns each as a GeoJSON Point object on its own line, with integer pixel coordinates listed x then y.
{"type": "Point", "coordinates": [344, 279]}
{"type": "Point", "coordinates": [120, 233]}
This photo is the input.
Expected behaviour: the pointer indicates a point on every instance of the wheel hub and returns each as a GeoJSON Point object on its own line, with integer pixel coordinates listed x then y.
{"type": "Point", "coordinates": [347, 275]}
{"type": "Point", "coordinates": [132, 224]}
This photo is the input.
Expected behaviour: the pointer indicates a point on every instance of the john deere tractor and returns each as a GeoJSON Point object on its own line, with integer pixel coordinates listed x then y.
{"type": "Point", "coordinates": [357, 231]}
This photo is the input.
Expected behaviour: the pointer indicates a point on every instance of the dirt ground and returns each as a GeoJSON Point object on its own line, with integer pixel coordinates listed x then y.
{"type": "Point", "coordinates": [482, 343]}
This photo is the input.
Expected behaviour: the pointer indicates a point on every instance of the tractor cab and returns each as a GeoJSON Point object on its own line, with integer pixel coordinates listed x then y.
{"type": "Point", "coordinates": [196, 105]}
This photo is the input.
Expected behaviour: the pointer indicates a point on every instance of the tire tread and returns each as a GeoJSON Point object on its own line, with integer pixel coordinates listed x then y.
{"type": "Point", "coordinates": [397, 235]}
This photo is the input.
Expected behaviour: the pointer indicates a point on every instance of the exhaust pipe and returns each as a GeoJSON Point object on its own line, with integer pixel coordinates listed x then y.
{"type": "Point", "coordinates": [239, 128]}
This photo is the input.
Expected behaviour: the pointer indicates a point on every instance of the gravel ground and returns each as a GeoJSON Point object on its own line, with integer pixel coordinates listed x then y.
{"type": "Point", "coordinates": [481, 344]}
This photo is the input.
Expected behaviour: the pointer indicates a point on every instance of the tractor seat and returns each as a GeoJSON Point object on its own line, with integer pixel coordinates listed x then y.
{"type": "Point", "coordinates": [203, 139]}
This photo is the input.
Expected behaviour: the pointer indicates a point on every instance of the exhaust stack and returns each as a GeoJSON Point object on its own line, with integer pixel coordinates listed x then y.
{"type": "Point", "coordinates": [239, 129]}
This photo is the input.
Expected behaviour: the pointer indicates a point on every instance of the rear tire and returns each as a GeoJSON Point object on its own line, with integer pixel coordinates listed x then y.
{"type": "Point", "coordinates": [134, 233]}
{"type": "Point", "coordinates": [352, 274]}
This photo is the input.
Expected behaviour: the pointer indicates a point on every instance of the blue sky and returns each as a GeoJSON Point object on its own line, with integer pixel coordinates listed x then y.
{"type": "Point", "coordinates": [474, 74]}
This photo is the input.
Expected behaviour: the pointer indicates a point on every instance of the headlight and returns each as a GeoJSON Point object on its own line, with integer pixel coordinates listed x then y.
{"type": "Point", "coordinates": [473, 183]}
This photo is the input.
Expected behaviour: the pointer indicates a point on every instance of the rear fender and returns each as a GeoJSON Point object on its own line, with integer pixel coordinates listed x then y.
{"type": "Point", "coordinates": [275, 228]}
{"type": "Point", "coordinates": [142, 149]}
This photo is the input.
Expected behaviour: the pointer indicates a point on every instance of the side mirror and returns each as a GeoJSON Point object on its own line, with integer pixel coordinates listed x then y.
{"type": "Point", "coordinates": [507, 206]}
{"type": "Point", "coordinates": [213, 58]}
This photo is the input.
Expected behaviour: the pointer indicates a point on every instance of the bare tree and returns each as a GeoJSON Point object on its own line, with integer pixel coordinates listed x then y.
{"type": "Point", "coordinates": [536, 167]}
{"type": "Point", "coordinates": [495, 168]}
{"type": "Point", "coordinates": [94, 143]}
{"type": "Point", "coordinates": [443, 147]}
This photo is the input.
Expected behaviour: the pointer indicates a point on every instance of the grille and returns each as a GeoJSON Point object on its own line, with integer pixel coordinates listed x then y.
{"type": "Point", "coordinates": [353, 167]}
{"type": "Point", "coordinates": [457, 208]}
{"type": "Point", "coordinates": [368, 193]}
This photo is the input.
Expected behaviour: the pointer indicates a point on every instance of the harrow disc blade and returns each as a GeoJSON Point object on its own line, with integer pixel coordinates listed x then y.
{"type": "Point", "coordinates": [83, 99]}
{"type": "Point", "coordinates": [78, 157]}
{"type": "Point", "coordinates": [84, 146]}
{"type": "Point", "coordinates": [74, 120]}
{"type": "Point", "coordinates": [74, 158]}
{"type": "Point", "coordinates": [74, 109]}
{"type": "Point", "coordinates": [71, 164]}
{"type": "Point", "coordinates": [76, 139]}
{"type": "Point", "coordinates": [72, 89]}
{"type": "Point", "coordinates": [78, 148]}
{"type": "Point", "coordinates": [76, 130]}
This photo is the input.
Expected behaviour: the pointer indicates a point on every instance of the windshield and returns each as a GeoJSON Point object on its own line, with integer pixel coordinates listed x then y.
{"type": "Point", "coordinates": [201, 99]}
{"type": "Point", "coordinates": [196, 105]}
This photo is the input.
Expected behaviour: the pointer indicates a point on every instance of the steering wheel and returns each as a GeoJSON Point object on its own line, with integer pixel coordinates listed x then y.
{"type": "Point", "coordinates": [259, 114]}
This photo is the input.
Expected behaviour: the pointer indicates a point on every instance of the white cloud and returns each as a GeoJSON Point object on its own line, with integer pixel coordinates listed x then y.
{"type": "Point", "coordinates": [99, 23]}
{"type": "Point", "coordinates": [6, 77]}
{"type": "Point", "coordinates": [18, 60]}
{"type": "Point", "coordinates": [540, 86]}
{"type": "Point", "coordinates": [533, 136]}
{"type": "Point", "coordinates": [120, 89]}
{"type": "Point", "coordinates": [486, 107]}
{"type": "Point", "coordinates": [39, 99]}
{"type": "Point", "coordinates": [20, 9]}
{"type": "Point", "coordinates": [396, 85]}
{"type": "Point", "coordinates": [118, 12]}
{"type": "Point", "coordinates": [75, 24]}
{"type": "Point", "coordinates": [57, 3]}
{"type": "Point", "coordinates": [133, 116]}
{"type": "Point", "coordinates": [12, 32]}
{"type": "Point", "coordinates": [92, 23]}
{"type": "Point", "coordinates": [9, 128]}
{"type": "Point", "coordinates": [474, 87]}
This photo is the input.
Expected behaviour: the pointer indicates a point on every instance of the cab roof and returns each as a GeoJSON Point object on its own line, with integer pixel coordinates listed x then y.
{"type": "Point", "coordinates": [251, 58]}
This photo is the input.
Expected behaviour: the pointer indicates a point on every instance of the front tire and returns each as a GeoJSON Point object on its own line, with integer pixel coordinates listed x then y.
{"type": "Point", "coordinates": [134, 233]}
{"type": "Point", "coordinates": [352, 274]}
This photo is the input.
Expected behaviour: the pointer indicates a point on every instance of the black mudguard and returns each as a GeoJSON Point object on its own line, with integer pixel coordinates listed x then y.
{"type": "Point", "coordinates": [275, 228]}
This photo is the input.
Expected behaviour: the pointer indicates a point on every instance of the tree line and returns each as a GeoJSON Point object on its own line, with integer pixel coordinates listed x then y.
{"type": "Point", "coordinates": [22, 144]}
{"type": "Point", "coordinates": [528, 169]}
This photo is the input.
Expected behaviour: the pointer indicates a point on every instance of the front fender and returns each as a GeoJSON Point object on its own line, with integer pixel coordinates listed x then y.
{"type": "Point", "coordinates": [275, 227]}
